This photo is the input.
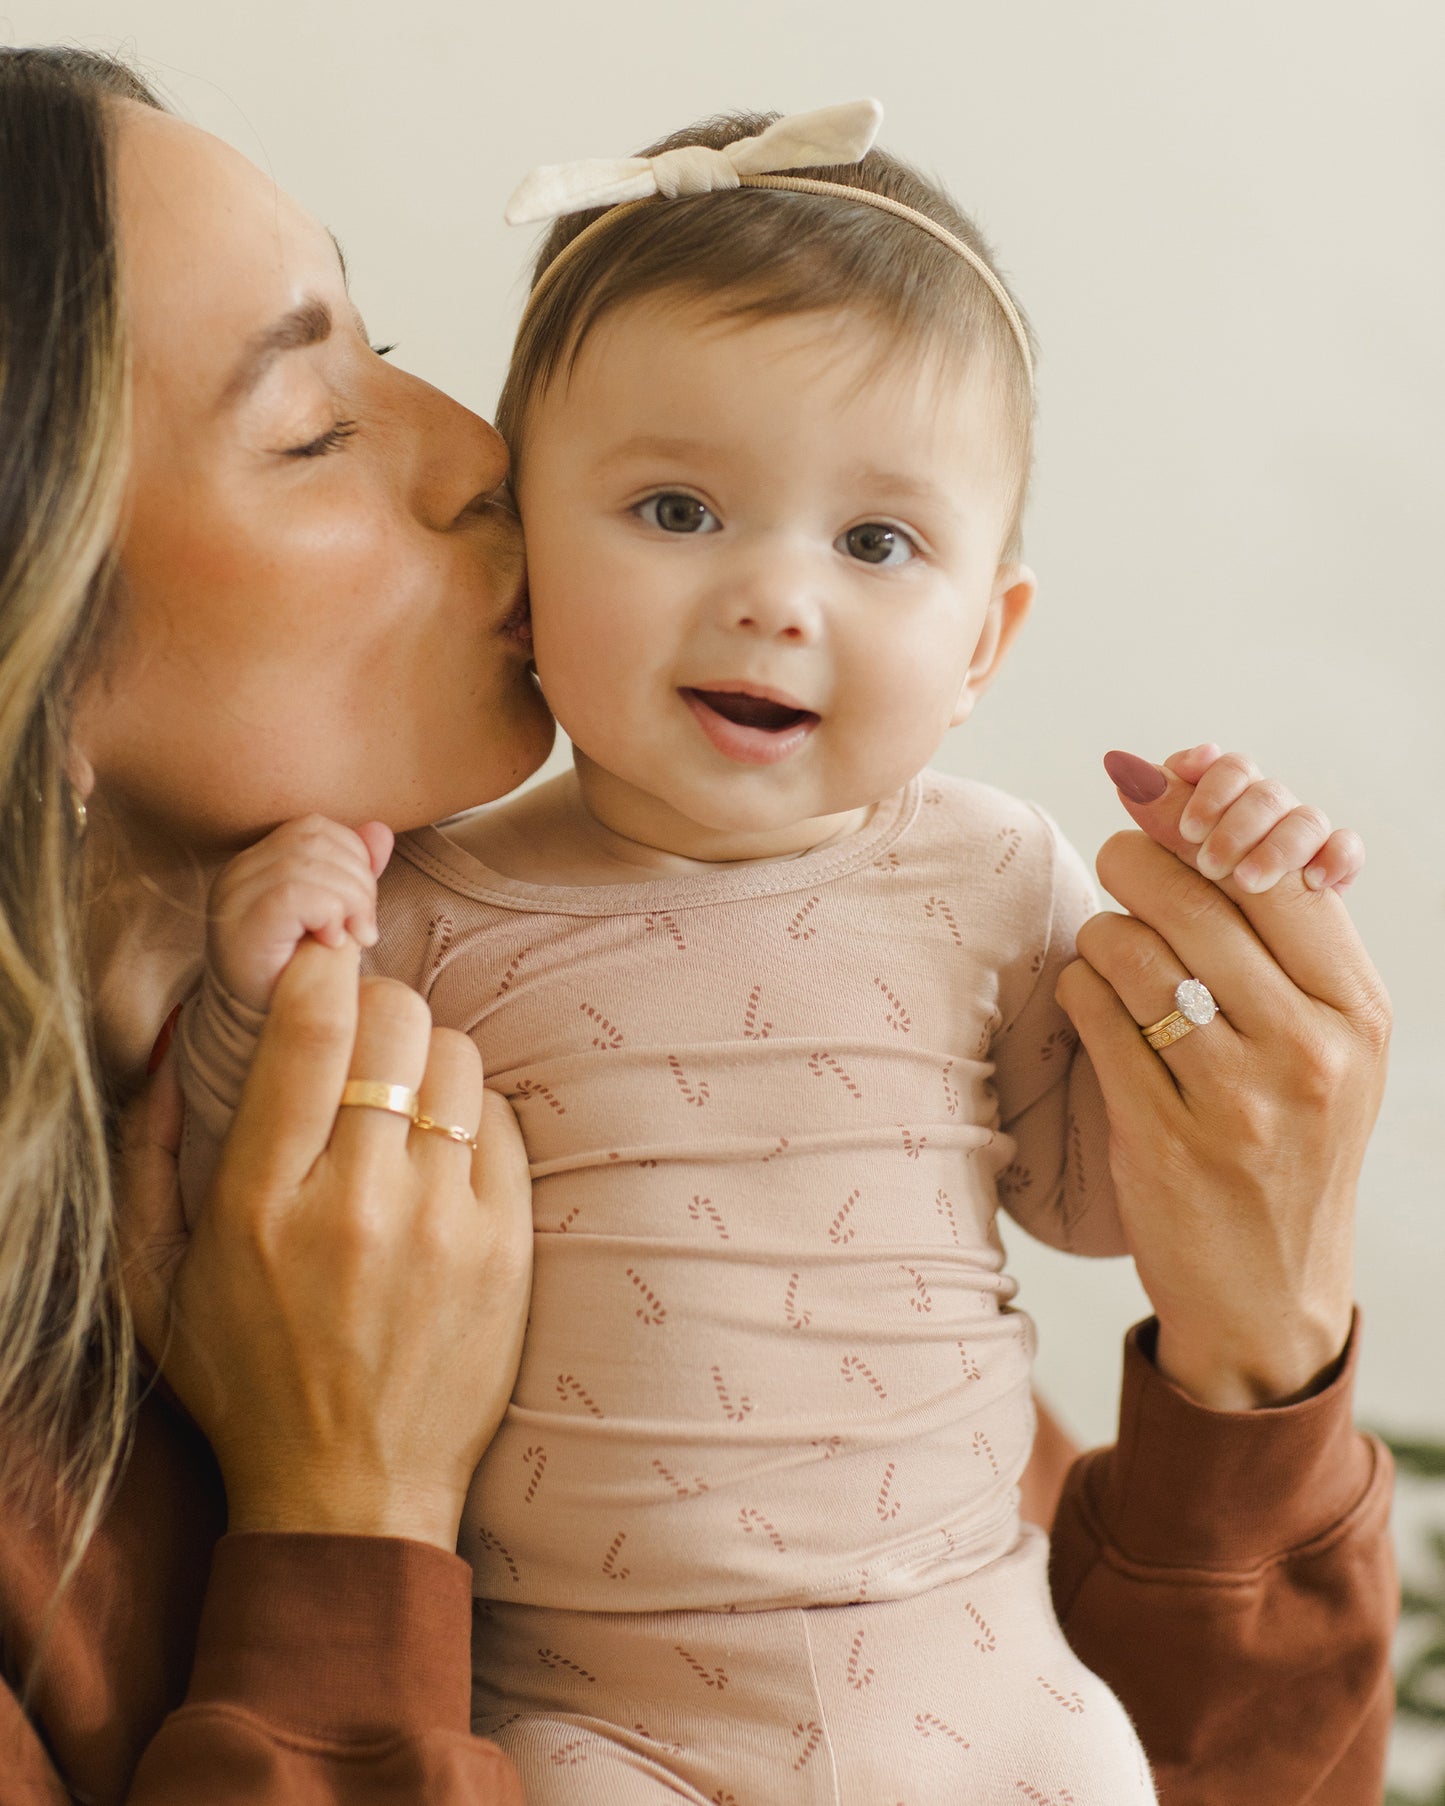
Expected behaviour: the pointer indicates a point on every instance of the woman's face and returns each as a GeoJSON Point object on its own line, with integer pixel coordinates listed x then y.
{"type": "Point", "coordinates": [321, 607]}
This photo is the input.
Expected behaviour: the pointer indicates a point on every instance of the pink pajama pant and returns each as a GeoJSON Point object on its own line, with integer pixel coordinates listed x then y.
{"type": "Point", "coordinates": [963, 1695]}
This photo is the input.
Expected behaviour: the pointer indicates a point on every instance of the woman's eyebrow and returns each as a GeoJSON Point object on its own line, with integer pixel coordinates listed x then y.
{"type": "Point", "coordinates": [307, 324]}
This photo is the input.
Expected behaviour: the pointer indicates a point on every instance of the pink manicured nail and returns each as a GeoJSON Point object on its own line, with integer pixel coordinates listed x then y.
{"type": "Point", "coordinates": [1140, 781]}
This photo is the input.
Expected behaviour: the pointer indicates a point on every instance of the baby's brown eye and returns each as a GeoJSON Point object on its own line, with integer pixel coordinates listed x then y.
{"type": "Point", "coordinates": [873, 543]}
{"type": "Point", "coordinates": [678, 513]}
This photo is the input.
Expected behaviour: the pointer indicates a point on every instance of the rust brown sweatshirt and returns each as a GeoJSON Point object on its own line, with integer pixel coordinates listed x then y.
{"type": "Point", "coordinates": [1230, 1575]}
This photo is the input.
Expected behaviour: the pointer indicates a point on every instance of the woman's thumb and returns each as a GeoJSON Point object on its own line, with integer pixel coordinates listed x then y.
{"type": "Point", "coordinates": [1155, 797]}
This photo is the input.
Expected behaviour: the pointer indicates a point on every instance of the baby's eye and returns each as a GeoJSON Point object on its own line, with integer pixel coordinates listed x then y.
{"type": "Point", "coordinates": [675, 512]}
{"type": "Point", "coordinates": [876, 543]}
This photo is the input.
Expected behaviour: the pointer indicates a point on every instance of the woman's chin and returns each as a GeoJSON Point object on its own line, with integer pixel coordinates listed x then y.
{"type": "Point", "coordinates": [530, 742]}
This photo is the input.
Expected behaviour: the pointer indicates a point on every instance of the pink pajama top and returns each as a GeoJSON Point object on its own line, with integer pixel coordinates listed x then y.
{"type": "Point", "coordinates": [771, 1111]}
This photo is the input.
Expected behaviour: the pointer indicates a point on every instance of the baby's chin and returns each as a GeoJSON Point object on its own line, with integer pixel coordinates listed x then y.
{"type": "Point", "coordinates": [739, 819]}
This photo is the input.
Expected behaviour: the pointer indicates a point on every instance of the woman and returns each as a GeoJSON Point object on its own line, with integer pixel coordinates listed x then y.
{"type": "Point", "coordinates": [228, 610]}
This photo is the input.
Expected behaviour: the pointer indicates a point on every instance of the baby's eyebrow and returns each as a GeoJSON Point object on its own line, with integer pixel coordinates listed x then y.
{"type": "Point", "coordinates": [900, 483]}
{"type": "Point", "coordinates": [656, 445]}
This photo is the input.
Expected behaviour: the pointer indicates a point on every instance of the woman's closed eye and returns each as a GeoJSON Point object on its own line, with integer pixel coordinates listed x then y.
{"type": "Point", "coordinates": [877, 543]}
{"type": "Point", "coordinates": [331, 440]}
{"type": "Point", "coordinates": [338, 432]}
{"type": "Point", "coordinates": [674, 511]}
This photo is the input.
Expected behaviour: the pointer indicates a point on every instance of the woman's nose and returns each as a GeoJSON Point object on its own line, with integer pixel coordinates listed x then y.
{"type": "Point", "coordinates": [460, 461]}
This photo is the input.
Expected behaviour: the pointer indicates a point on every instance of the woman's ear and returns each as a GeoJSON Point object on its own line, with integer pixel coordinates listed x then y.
{"type": "Point", "coordinates": [80, 771]}
{"type": "Point", "coordinates": [1014, 589]}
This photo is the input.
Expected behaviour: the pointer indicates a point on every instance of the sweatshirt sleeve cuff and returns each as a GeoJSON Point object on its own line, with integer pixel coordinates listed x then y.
{"type": "Point", "coordinates": [337, 1636]}
{"type": "Point", "coordinates": [1187, 1487]}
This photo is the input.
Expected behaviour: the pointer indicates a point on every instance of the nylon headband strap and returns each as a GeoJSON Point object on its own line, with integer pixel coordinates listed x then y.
{"type": "Point", "coordinates": [807, 185]}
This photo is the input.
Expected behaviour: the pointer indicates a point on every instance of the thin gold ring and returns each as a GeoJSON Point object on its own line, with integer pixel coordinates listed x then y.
{"type": "Point", "coordinates": [430, 1127]}
{"type": "Point", "coordinates": [372, 1094]}
{"type": "Point", "coordinates": [1168, 1029]}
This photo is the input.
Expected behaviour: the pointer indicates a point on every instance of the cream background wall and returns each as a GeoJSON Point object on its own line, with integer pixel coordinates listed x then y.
{"type": "Point", "coordinates": [1225, 221]}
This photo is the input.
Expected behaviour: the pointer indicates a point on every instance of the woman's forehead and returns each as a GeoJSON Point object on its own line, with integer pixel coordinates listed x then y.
{"type": "Point", "coordinates": [212, 250]}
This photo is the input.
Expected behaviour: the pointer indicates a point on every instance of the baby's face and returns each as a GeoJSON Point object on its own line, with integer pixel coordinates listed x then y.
{"type": "Point", "coordinates": [763, 557]}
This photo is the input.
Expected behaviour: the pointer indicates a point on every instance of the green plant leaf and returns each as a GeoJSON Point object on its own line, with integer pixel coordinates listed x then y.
{"type": "Point", "coordinates": [1414, 1456]}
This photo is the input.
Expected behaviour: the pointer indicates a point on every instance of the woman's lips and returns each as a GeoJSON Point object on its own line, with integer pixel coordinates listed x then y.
{"type": "Point", "coordinates": [755, 730]}
{"type": "Point", "coordinates": [517, 624]}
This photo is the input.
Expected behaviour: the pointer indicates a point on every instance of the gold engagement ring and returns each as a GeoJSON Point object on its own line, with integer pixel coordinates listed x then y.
{"type": "Point", "coordinates": [1193, 1008]}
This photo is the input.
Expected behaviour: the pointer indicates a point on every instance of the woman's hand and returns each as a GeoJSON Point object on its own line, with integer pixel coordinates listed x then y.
{"type": "Point", "coordinates": [1236, 1151]}
{"type": "Point", "coordinates": [346, 1319]}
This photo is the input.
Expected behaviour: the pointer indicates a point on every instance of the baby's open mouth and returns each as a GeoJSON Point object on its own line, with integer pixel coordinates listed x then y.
{"type": "Point", "coordinates": [758, 712]}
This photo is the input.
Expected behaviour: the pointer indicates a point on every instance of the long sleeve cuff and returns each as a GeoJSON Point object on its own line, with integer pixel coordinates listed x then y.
{"type": "Point", "coordinates": [1187, 1487]}
{"type": "Point", "coordinates": [337, 1637]}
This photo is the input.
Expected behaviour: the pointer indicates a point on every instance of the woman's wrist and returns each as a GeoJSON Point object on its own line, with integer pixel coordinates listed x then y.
{"type": "Point", "coordinates": [1247, 1370]}
{"type": "Point", "coordinates": [321, 1504]}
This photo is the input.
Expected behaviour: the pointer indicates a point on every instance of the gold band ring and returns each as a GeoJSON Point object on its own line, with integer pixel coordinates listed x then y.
{"type": "Point", "coordinates": [450, 1130]}
{"type": "Point", "coordinates": [371, 1094]}
{"type": "Point", "coordinates": [1194, 1008]}
{"type": "Point", "coordinates": [1167, 1030]}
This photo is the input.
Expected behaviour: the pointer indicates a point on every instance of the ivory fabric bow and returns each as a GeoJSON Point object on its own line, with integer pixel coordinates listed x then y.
{"type": "Point", "coordinates": [840, 134]}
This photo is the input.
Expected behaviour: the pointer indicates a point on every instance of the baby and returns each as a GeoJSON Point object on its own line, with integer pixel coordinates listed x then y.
{"type": "Point", "coordinates": [774, 1004]}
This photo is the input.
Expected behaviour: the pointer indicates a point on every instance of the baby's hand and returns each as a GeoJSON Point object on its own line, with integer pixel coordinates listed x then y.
{"type": "Point", "coordinates": [1255, 829]}
{"type": "Point", "coordinates": [310, 876]}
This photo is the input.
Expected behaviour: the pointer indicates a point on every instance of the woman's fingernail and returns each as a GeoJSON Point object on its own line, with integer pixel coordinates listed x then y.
{"type": "Point", "coordinates": [1140, 781]}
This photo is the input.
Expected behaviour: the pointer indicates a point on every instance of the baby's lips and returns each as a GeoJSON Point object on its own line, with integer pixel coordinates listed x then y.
{"type": "Point", "coordinates": [1140, 781]}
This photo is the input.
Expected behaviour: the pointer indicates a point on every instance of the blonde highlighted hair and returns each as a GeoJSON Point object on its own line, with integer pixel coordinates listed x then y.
{"type": "Point", "coordinates": [762, 253]}
{"type": "Point", "coordinates": [66, 1349]}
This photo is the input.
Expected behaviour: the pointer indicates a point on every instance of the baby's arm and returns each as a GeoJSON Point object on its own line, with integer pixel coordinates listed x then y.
{"type": "Point", "coordinates": [310, 876]}
{"type": "Point", "coordinates": [1058, 1185]}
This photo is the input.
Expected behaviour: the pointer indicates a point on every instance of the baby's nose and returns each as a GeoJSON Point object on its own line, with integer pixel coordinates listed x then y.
{"type": "Point", "coordinates": [781, 605]}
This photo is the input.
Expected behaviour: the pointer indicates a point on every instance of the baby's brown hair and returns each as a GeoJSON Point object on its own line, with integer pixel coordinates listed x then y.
{"type": "Point", "coordinates": [762, 253]}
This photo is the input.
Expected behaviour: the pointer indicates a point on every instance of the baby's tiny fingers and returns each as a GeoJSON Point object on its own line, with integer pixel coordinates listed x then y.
{"type": "Point", "coordinates": [1226, 780]}
{"type": "Point", "coordinates": [1289, 846]}
{"type": "Point", "coordinates": [323, 909]}
{"type": "Point", "coordinates": [1191, 764]}
{"type": "Point", "coordinates": [1338, 863]}
{"type": "Point", "coordinates": [1245, 823]}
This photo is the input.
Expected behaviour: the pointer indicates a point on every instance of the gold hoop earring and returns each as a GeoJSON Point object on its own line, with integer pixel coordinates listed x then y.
{"type": "Point", "coordinates": [80, 815]}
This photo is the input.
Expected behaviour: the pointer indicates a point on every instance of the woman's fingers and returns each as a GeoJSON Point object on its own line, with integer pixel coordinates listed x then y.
{"type": "Point", "coordinates": [1143, 970]}
{"type": "Point", "coordinates": [1195, 919]}
{"type": "Point", "coordinates": [449, 1099]}
{"type": "Point", "coordinates": [1307, 932]}
{"type": "Point", "coordinates": [393, 1040]}
{"type": "Point", "coordinates": [288, 1106]}
{"type": "Point", "coordinates": [502, 1186]}
{"type": "Point", "coordinates": [1307, 935]}
{"type": "Point", "coordinates": [1131, 1075]}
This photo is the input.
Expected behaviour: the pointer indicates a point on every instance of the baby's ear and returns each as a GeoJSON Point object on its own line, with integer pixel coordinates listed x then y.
{"type": "Point", "coordinates": [1014, 589]}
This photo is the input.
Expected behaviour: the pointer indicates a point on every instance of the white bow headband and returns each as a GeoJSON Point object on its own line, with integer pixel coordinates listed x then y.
{"type": "Point", "coordinates": [841, 134]}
